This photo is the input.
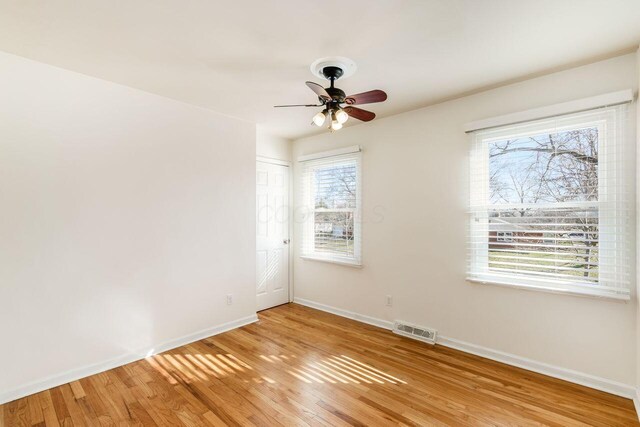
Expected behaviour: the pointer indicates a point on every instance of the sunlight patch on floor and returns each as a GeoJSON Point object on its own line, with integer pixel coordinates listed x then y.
{"type": "Point", "coordinates": [176, 367]}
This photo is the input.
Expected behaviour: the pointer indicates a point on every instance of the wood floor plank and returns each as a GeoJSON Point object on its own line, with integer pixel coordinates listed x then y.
{"type": "Point", "coordinates": [48, 409]}
{"type": "Point", "coordinates": [74, 409]}
{"type": "Point", "coordinates": [78, 391]}
{"type": "Point", "coordinates": [17, 413]}
{"type": "Point", "coordinates": [301, 367]}
{"type": "Point", "coordinates": [35, 411]}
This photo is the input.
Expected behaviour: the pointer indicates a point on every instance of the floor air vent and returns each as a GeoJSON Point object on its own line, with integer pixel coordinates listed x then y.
{"type": "Point", "coordinates": [415, 332]}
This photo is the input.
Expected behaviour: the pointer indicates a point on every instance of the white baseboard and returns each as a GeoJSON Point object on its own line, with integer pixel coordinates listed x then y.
{"type": "Point", "coordinates": [636, 402]}
{"type": "Point", "coordinates": [79, 373]}
{"type": "Point", "coordinates": [576, 377]}
{"type": "Point", "coordinates": [572, 376]}
{"type": "Point", "coordinates": [345, 313]}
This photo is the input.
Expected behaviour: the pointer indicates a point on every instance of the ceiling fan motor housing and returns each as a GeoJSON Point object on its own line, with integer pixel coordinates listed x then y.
{"type": "Point", "coordinates": [337, 95]}
{"type": "Point", "coordinates": [332, 73]}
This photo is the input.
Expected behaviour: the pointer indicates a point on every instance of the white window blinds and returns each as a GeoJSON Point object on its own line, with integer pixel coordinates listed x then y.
{"type": "Point", "coordinates": [331, 199]}
{"type": "Point", "coordinates": [550, 204]}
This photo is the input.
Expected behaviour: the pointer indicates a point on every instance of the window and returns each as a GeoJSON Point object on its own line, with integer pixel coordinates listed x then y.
{"type": "Point", "coordinates": [331, 195]}
{"type": "Point", "coordinates": [549, 204]}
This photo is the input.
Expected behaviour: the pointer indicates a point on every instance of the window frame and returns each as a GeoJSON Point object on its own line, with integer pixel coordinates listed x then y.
{"type": "Point", "coordinates": [609, 124]}
{"type": "Point", "coordinates": [308, 196]}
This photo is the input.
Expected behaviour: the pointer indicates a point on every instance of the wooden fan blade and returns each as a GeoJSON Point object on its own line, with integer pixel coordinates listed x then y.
{"type": "Point", "coordinates": [366, 97]}
{"type": "Point", "coordinates": [319, 90]}
{"type": "Point", "coordinates": [360, 114]}
{"type": "Point", "coordinates": [298, 105]}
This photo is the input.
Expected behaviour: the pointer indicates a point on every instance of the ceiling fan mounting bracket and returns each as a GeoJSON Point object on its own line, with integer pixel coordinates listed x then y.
{"type": "Point", "coordinates": [337, 66]}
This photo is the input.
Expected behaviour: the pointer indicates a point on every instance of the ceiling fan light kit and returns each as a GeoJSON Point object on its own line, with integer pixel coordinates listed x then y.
{"type": "Point", "coordinates": [319, 118]}
{"type": "Point", "coordinates": [333, 98]}
{"type": "Point", "coordinates": [342, 116]}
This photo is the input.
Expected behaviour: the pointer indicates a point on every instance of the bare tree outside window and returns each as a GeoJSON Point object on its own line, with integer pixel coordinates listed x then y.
{"type": "Point", "coordinates": [335, 204]}
{"type": "Point", "coordinates": [543, 190]}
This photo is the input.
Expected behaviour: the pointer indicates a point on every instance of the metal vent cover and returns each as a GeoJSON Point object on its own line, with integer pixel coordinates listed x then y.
{"type": "Point", "coordinates": [416, 332]}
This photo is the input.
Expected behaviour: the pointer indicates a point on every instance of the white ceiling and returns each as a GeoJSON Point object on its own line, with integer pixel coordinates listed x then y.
{"type": "Point", "coordinates": [241, 57]}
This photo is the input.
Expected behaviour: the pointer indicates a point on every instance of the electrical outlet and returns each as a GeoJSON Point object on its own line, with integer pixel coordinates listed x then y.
{"type": "Point", "coordinates": [389, 302]}
{"type": "Point", "coordinates": [229, 299]}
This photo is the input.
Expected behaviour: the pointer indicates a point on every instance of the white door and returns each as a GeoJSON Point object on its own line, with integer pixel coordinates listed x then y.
{"type": "Point", "coordinates": [272, 234]}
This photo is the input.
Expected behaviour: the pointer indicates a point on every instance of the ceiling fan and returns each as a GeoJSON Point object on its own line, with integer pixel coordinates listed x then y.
{"type": "Point", "coordinates": [332, 99]}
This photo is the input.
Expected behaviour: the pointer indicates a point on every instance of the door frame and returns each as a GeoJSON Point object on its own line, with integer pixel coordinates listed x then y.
{"type": "Point", "coordinates": [286, 163]}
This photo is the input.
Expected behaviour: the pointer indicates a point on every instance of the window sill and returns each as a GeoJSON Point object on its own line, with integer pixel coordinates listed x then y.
{"type": "Point", "coordinates": [617, 295]}
{"type": "Point", "coordinates": [347, 263]}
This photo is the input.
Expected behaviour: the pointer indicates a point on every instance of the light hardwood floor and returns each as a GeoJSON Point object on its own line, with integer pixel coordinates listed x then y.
{"type": "Point", "coordinates": [299, 366]}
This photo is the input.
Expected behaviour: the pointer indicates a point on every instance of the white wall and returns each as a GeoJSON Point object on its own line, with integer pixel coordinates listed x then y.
{"type": "Point", "coordinates": [125, 219]}
{"type": "Point", "coordinates": [414, 206]}
{"type": "Point", "coordinates": [271, 146]}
